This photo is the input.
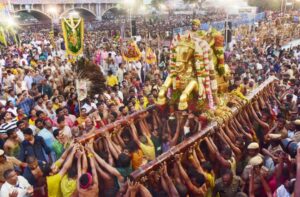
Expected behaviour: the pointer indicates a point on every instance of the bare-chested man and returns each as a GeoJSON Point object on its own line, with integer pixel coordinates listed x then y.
{"type": "Point", "coordinates": [12, 144]}
{"type": "Point", "coordinates": [88, 182]}
{"type": "Point", "coordinates": [36, 173]}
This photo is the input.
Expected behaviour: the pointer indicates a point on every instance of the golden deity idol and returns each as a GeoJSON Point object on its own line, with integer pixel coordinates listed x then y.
{"type": "Point", "coordinates": [196, 65]}
{"type": "Point", "coordinates": [190, 68]}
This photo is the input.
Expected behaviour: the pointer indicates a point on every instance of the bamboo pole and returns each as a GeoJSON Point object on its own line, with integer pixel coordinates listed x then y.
{"type": "Point", "coordinates": [113, 125]}
{"type": "Point", "coordinates": [140, 173]}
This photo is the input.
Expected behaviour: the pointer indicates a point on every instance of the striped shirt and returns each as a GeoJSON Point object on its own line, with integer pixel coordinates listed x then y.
{"type": "Point", "coordinates": [8, 125]}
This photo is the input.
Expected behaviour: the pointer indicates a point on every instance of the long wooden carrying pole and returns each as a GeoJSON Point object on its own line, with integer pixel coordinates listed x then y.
{"type": "Point", "coordinates": [141, 172]}
{"type": "Point", "coordinates": [113, 125]}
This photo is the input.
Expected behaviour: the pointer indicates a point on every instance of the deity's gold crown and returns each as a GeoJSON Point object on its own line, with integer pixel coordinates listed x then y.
{"type": "Point", "coordinates": [185, 41]}
{"type": "Point", "coordinates": [185, 46]}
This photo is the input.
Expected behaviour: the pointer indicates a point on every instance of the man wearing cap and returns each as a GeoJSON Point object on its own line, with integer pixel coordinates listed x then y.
{"type": "Point", "coordinates": [8, 163]}
{"type": "Point", "coordinates": [254, 173]}
{"type": "Point", "coordinates": [253, 150]}
{"type": "Point", "coordinates": [228, 185]}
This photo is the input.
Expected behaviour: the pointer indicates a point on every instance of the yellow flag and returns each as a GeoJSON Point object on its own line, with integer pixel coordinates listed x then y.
{"type": "Point", "coordinates": [2, 6]}
{"type": "Point", "coordinates": [2, 37]}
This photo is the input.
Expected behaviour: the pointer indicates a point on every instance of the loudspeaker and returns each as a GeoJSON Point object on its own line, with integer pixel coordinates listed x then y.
{"type": "Point", "coordinates": [229, 25]}
{"type": "Point", "coordinates": [228, 28]}
{"type": "Point", "coordinates": [133, 25]}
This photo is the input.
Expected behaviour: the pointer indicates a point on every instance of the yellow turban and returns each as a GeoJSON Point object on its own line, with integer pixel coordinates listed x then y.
{"type": "Point", "coordinates": [196, 22]}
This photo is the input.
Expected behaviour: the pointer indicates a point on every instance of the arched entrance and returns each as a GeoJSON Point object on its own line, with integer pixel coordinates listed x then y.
{"type": "Point", "coordinates": [113, 13]}
{"type": "Point", "coordinates": [83, 12]}
{"type": "Point", "coordinates": [32, 16]}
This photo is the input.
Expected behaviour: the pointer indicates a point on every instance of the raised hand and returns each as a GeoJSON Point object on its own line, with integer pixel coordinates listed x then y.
{"type": "Point", "coordinates": [133, 186]}
{"type": "Point", "coordinates": [13, 193]}
{"type": "Point", "coordinates": [178, 158]}
{"type": "Point", "coordinates": [130, 121]}
{"type": "Point", "coordinates": [30, 190]}
{"type": "Point", "coordinates": [89, 146]}
{"type": "Point", "coordinates": [164, 169]}
{"type": "Point", "coordinates": [79, 153]}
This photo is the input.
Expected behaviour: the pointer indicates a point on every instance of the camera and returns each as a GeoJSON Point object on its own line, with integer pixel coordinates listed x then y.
{"type": "Point", "coordinates": [290, 146]}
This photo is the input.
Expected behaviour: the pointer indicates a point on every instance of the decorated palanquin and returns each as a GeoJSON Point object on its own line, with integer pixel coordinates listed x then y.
{"type": "Point", "coordinates": [199, 78]}
{"type": "Point", "coordinates": [131, 52]}
{"type": "Point", "coordinates": [191, 66]}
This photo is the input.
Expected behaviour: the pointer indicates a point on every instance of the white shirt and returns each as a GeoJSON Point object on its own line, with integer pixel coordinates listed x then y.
{"type": "Point", "coordinates": [28, 79]}
{"type": "Point", "coordinates": [13, 111]}
{"type": "Point", "coordinates": [89, 107]}
{"type": "Point", "coordinates": [67, 132]}
{"type": "Point", "coordinates": [120, 95]}
{"type": "Point", "coordinates": [120, 74]}
{"type": "Point", "coordinates": [2, 62]}
{"type": "Point", "coordinates": [20, 135]}
{"type": "Point", "coordinates": [258, 66]}
{"type": "Point", "coordinates": [113, 54]}
{"type": "Point", "coordinates": [21, 186]}
{"type": "Point", "coordinates": [282, 192]}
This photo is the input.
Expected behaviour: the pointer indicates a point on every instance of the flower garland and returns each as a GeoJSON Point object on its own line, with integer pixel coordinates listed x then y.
{"type": "Point", "coordinates": [203, 64]}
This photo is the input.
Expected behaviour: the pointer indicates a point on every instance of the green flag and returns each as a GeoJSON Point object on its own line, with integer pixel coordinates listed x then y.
{"type": "Point", "coordinates": [73, 31]}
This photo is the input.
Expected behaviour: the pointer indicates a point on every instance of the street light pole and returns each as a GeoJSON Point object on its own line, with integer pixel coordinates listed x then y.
{"type": "Point", "coordinates": [52, 12]}
{"type": "Point", "coordinates": [284, 7]}
{"type": "Point", "coordinates": [226, 26]}
{"type": "Point", "coordinates": [130, 21]}
{"type": "Point", "coordinates": [130, 4]}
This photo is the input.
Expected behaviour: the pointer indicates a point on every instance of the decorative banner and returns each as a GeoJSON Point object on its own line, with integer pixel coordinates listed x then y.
{"type": "Point", "coordinates": [73, 31]}
{"type": "Point", "coordinates": [150, 56]}
{"type": "Point", "coordinates": [132, 52]}
{"type": "Point", "coordinates": [81, 89]}
{"type": "Point", "coordinates": [2, 37]}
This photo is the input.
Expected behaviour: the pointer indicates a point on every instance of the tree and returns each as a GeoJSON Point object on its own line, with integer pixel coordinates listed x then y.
{"type": "Point", "coordinates": [156, 3]}
{"type": "Point", "coordinates": [266, 4]}
{"type": "Point", "coordinates": [198, 2]}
